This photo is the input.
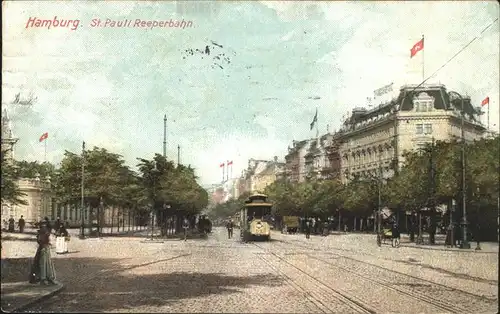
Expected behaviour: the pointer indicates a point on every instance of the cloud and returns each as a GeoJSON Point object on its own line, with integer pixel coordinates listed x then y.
{"type": "Point", "coordinates": [112, 87]}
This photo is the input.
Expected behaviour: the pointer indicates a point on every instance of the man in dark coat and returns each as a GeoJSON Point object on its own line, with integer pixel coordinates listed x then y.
{"type": "Point", "coordinates": [308, 228]}
{"type": "Point", "coordinates": [12, 224]}
{"type": "Point", "coordinates": [21, 224]}
{"type": "Point", "coordinates": [230, 226]}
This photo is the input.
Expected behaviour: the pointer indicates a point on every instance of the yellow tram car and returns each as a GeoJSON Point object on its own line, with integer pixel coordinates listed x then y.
{"type": "Point", "coordinates": [253, 223]}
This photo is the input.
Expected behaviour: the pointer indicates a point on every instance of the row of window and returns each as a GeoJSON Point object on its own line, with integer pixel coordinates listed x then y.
{"type": "Point", "coordinates": [424, 128]}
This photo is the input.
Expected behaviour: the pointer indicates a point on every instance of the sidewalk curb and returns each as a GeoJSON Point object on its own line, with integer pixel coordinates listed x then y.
{"type": "Point", "coordinates": [43, 297]}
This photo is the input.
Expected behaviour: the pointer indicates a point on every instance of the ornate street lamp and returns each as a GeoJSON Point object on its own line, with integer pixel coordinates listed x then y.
{"type": "Point", "coordinates": [465, 242]}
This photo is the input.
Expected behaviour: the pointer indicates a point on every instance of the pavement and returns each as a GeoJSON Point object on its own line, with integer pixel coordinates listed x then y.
{"type": "Point", "coordinates": [17, 293]}
{"type": "Point", "coordinates": [341, 273]}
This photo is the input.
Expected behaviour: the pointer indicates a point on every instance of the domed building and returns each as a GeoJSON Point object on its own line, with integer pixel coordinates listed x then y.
{"type": "Point", "coordinates": [37, 190]}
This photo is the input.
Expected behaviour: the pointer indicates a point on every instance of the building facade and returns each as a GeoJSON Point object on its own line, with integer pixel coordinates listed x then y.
{"type": "Point", "coordinates": [258, 175]}
{"type": "Point", "coordinates": [374, 141]}
{"type": "Point", "coordinates": [314, 158]}
{"type": "Point", "coordinates": [37, 191]}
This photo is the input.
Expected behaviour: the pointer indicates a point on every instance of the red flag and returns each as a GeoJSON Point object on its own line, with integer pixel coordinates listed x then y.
{"type": "Point", "coordinates": [229, 163]}
{"type": "Point", "coordinates": [485, 101]}
{"type": "Point", "coordinates": [221, 165]}
{"type": "Point", "coordinates": [417, 47]}
{"type": "Point", "coordinates": [44, 136]}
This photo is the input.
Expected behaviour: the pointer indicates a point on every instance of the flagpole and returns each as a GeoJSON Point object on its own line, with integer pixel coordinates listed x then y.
{"type": "Point", "coordinates": [423, 50]}
{"type": "Point", "coordinates": [488, 117]}
{"type": "Point", "coordinates": [45, 150]}
{"type": "Point", "coordinates": [317, 130]}
{"type": "Point", "coordinates": [223, 168]}
{"type": "Point", "coordinates": [227, 174]}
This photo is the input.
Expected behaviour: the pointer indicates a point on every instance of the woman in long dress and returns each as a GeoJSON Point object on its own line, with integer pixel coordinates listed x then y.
{"type": "Point", "coordinates": [61, 239]}
{"type": "Point", "coordinates": [46, 266]}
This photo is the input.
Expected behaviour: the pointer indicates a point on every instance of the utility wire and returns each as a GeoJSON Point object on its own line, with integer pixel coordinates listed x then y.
{"type": "Point", "coordinates": [455, 55]}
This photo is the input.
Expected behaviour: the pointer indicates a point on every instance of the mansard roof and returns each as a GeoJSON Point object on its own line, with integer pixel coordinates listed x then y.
{"type": "Point", "coordinates": [443, 100]}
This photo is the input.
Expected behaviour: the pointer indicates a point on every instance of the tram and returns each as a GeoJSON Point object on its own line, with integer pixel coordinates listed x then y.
{"type": "Point", "coordinates": [253, 218]}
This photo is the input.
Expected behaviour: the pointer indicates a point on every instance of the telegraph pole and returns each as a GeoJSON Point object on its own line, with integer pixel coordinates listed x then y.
{"type": "Point", "coordinates": [465, 242]}
{"type": "Point", "coordinates": [432, 185]}
{"type": "Point", "coordinates": [379, 211]}
{"type": "Point", "coordinates": [165, 136]}
{"type": "Point", "coordinates": [82, 225]}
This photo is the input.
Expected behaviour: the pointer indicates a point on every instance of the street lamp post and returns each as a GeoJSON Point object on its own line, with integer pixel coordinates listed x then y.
{"type": "Point", "coordinates": [99, 213]}
{"type": "Point", "coordinates": [465, 242]}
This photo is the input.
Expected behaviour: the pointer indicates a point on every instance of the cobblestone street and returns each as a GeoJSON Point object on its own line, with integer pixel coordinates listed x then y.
{"type": "Point", "coordinates": [336, 274]}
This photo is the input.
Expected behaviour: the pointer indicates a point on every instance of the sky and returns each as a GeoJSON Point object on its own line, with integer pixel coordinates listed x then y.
{"type": "Point", "coordinates": [271, 65]}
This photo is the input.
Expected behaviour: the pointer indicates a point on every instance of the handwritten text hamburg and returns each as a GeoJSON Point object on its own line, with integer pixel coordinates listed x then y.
{"type": "Point", "coordinates": [107, 23]}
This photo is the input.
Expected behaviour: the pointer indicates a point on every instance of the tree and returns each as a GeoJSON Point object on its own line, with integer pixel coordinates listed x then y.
{"type": "Point", "coordinates": [10, 192]}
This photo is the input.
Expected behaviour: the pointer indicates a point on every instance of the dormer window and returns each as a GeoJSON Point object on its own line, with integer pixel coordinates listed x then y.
{"type": "Point", "coordinates": [423, 102]}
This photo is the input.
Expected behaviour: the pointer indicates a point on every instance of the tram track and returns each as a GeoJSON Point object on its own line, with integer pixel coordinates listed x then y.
{"type": "Point", "coordinates": [317, 290]}
{"type": "Point", "coordinates": [417, 288]}
{"type": "Point", "coordinates": [475, 279]}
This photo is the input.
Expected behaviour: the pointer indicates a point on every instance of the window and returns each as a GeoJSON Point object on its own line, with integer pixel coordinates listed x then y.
{"type": "Point", "coordinates": [422, 106]}
{"type": "Point", "coordinates": [428, 128]}
{"type": "Point", "coordinates": [420, 129]}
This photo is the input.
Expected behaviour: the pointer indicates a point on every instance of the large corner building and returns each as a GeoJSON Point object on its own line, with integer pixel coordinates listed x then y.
{"type": "Point", "coordinates": [420, 114]}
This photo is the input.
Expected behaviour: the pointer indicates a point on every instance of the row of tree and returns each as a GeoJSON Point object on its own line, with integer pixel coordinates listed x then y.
{"type": "Point", "coordinates": [429, 177]}
{"type": "Point", "coordinates": [158, 185]}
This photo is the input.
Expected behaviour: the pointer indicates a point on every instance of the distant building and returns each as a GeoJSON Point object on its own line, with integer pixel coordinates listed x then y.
{"type": "Point", "coordinates": [295, 167]}
{"type": "Point", "coordinates": [378, 137]}
{"type": "Point", "coordinates": [259, 174]}
{"type": "Point", "coordinates": [38, 194]}
{"type": "Point", "coordinates": [313, 158]}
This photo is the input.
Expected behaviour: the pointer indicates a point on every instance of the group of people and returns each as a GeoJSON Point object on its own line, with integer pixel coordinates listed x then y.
{"type": "Point", "coordinates": [11, 224]}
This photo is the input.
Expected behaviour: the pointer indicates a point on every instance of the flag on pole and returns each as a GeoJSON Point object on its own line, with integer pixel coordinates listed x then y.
{"type": "Point", "coordinates": [221, 165]}
{"type": "Point", "coordinates": [44, 136]}
{"type": "Point", "coordinates": [485, 101]}
{"type": "Point", "coordinates": [417, 47]}
{"type": "Point", "coordinates": [230, 163]}
{"type": "Point", "coordinates": [315, 119]}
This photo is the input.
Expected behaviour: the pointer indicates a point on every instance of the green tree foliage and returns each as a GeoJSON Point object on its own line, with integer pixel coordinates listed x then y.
{"type": "Point", "coordinates": [165, 184]}
{"type": "Point", "coordinates": [432, 173]}
{"type": "Point", "coordinates": [229, 208]}
{"type": "Point", "coordinates": [10, 189]}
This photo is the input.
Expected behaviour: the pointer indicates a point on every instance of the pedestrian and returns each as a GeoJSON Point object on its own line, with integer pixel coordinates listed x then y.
{"type": "Point", "coordinates": [326, 230]}
{"type": "Point", "coordinates": [308, 229]}
{"type": "Point", "coordinates": [46, 266]}
{"type": "Point", "coordinates": [21, 223]}
{"type": "Point", "coordinates": [185, 226]}
{"type": "Point", "coordinates": [229, 227]}
{"type": "Point", "coordinates": [12, 223]}
{"type": "Point", "coordinates": [61, 239]}
{"type": "Point", "coordinates": [57, 224]}
{"type": "Point", "coordinates": [450, 233]}
{"type": "Point", "coordinates": [396, 236]}
{"type": "Point", "coordinates": [477, 236]}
